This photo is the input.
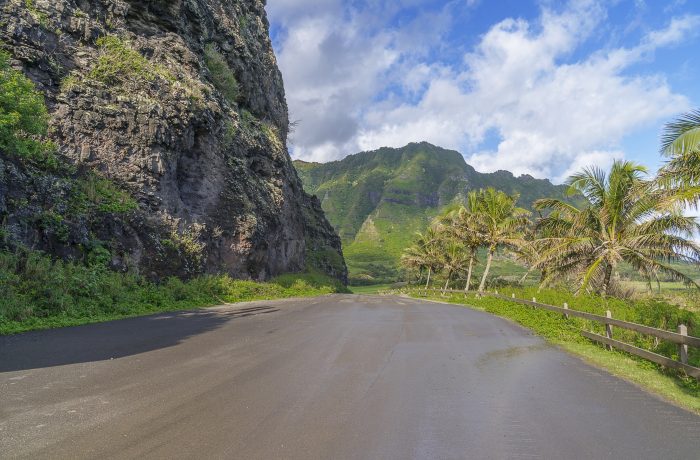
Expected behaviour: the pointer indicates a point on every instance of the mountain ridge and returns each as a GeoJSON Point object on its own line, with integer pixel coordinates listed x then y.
{"type": "Point", "coordinates": [376, 200]}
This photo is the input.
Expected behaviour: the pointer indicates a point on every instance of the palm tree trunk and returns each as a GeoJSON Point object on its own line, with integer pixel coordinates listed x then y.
{"type": "Point", "coordinates": [524, 277]}
{"type": "Point", "coordinates": [428, 282]}
{"type": "Point", "coordinates": [469, 273]}
{"type": "Point", "coordinates": [447, 282]}
{"type": "Point", "coordinates": [486, 270]}
{"type": "Point", "coordinates": [606, 280]}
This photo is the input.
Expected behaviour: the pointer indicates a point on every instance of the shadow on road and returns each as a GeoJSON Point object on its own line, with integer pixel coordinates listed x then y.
{"type": "Point", "coordinates": [113, 339]}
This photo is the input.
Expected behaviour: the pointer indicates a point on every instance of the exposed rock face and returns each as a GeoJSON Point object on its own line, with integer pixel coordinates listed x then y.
{"type": "Point", "coordinates": [142, 92]}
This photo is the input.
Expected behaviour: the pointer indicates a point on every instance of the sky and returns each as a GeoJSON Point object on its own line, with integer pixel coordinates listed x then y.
{"type": "Point", "coordinates": [539, 87]}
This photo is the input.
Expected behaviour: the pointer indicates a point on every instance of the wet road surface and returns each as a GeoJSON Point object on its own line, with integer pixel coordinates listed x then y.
{"type": "Point", "coordinates": [335, 377]}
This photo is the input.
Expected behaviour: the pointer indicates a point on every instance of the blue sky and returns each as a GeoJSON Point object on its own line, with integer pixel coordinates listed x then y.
{"type": "Point", "coordinates": [535, 87]}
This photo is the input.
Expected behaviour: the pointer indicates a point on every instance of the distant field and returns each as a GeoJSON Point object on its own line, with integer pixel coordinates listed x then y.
{"type": "Point", "coordinates": [664, 286]}
{"type": "Point", "coordinates": [372, 289]}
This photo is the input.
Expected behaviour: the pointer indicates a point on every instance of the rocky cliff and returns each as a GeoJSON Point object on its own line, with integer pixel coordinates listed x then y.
{"type": "Point", "coordinates": [177, 106]}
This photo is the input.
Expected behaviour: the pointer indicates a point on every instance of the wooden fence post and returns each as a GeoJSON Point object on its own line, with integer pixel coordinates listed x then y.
{"type": "Point", "coordinates": [682, 347]}
{"type": "Point", "coordinates": [608, 329]}
{"type": "Point", "coordinates": [566, 307]}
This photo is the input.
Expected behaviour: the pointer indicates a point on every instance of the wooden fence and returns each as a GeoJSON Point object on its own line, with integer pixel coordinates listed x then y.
{"type": "Point", "coordinates": [681, 338]}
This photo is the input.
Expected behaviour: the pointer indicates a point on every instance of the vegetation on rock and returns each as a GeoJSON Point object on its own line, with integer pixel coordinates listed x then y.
{"type": "Point", "coordinates": [119, 63]}
{"type": "Point", "coordinates": [23, 117]}
{"type": "Point", "coordinates": [222, 76]}
{"type": "Point", "coordinates": [100, 194]}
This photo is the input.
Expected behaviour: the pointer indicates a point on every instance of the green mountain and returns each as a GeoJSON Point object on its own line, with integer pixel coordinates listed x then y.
{"type": "Point", "coordinates": [377, 200]}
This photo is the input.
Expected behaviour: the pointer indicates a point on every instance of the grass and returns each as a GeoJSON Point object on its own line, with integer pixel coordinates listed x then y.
{"type": "Point", "coordinates": [101, 194]}
{"type": "Point", "coordinates": [663, 286]}
{"type": "Point", "coordinates": [222, 76]}
{"type": "Point", "coordinates": [119, 63]}
{"type": "Point", "coordinates": [371, 289]}
{"type": "Point", "coordinates": [669, 384]}
{"type": "Point", "coordinates": [40, 293]}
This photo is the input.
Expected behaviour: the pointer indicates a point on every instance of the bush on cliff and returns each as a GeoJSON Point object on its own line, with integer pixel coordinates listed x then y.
{"type": "Point", "coordinates": [23, 116]}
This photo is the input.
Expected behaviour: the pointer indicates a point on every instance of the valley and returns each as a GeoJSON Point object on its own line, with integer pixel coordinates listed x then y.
{"type": "Point", "coordinates": [377, 200]}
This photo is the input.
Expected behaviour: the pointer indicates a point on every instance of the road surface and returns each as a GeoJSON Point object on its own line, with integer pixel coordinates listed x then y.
{"type": "Point", "coordinates": [336, 377]}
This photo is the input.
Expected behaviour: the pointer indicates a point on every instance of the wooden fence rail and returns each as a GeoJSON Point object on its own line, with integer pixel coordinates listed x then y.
{"type": "Point", "coordinates": [681, 337]}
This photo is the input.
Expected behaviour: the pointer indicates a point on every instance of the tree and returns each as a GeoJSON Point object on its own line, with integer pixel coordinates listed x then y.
{"type": "Point", "coordinates": [621, 221]}
{"type": "Point", "coordinates": [424, 253]}
{"type": "Point", "coordinates": [680, 177]}
{"type": "Point", "coordinates": [452, 255]}
{"type": "Point", "coordinates": [502, 223]}
{"type": "Point", "coordinates": [529, 253]}
{"type": "Point", "coordinates": [464, 223]}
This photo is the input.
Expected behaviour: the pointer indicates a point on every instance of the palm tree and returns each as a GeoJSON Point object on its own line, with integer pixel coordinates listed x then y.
{"type": "Point", "coordinates": [682, 137]}
{"type": "Point", "coordinates": [423, 253]}
{"type": "Point", "coordinates": [621, 221]}
{"type": "Point", "coordinates": [502, 223]}
{"type": "Point", "coordinates": [464, 223]}
{"type": "Point", "coordinates": [529, 253]}
{"type": "Point", "coordinates": [453, 257]}
{"type": "Point", "coordinates": [680, 177]}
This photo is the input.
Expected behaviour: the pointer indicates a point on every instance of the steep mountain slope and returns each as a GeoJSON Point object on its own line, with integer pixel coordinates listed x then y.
{"type": "Point", "coordinates": [180, 106]}
{"type": "Point", "coordinates": [377, 200]}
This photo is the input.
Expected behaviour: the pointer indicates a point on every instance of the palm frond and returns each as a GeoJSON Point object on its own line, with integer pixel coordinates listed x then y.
{"type": "Point", "coordinates": [682, 136]}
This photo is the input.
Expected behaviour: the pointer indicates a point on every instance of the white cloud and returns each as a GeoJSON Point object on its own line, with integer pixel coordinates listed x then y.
{"type": "Point", "coordinates": [331, 71]}
{"type": "Point", "coordinates": [602, 159]}
{"type": "Point", "coordinates": [674, 33]}
{"type": "Point", "coordinates": [552, 108]}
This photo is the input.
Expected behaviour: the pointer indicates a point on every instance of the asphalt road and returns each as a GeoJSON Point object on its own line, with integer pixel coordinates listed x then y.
{"type": "Point", "coordinates": [337, 377]}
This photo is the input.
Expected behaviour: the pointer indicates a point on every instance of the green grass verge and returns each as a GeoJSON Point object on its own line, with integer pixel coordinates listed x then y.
{"type": "Point", "coordinates": [37, 292]}
{"type": "Point", "coordinates": [370, 289]}
{"type": "Point", "coordinates": [668, 384]}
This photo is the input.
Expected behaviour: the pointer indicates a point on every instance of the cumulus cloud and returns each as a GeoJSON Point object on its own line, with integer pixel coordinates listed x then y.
{"type": "Point", "coordinates": [553, 108]}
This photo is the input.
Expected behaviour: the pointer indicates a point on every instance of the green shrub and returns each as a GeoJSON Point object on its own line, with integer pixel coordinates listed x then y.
{"type": "Point", "coordinates": [98, 193]}
{"type": "Point", "coordinates": [23, 117]}
{"type": "Point", "coordinates": [222, 76]}
{"type": "Point", "coordinates": [38, 292]}
{"type": "Point", "coordinates": [319, 258]}
{"type": "Point", "coordinates": [54, 223]}
{"type": "Point", "coordinates": [39, 16]}
{"type": "Point", "coordinates": [70, 82]}
{"type": "Point", "coordinates": [273, 136]}
{"type": "Point", "coordinates": [229, 134]}
{"type": "Point", "coordinates": [119, 63]}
